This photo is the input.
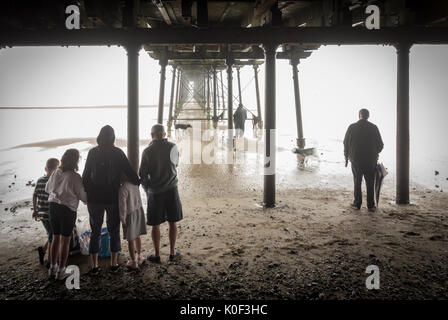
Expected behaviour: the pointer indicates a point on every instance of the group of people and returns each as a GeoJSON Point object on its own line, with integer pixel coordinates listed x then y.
{"type": "Point", "coordinates": [109, 185]}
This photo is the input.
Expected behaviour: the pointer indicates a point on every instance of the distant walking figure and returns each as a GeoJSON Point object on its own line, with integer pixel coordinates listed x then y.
{"type": "Point", "coordinates": [101, 178]}
{"type": "Point", "coordinates": [362, 144]}
{"type": "Point", "coordinates": [239, 119]}
{"type": "Point", "coordinates": [158, 174]}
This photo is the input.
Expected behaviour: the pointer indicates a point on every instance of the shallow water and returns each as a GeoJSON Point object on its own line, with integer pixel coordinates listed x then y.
{"type": "Point", "coordinates": [20, 127]}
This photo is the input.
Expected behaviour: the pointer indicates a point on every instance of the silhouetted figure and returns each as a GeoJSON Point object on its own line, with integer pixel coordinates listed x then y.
{"type": "Point", "coordinates": [101, 178]}
{"type": "Point", "coordinates": [239, 119]}
{"type": "Point", "coordinates": [362, 144]}
{"type": "Point", "coordinates": [159, 179]}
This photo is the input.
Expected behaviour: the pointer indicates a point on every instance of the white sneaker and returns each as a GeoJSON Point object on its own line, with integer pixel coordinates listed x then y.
{"type": "Point", "coordinates": [61, 275]}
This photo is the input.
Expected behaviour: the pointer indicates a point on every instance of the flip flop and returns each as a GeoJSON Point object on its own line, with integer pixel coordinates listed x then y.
{"type": "Point", "coordinates": [131, 265]}
{"type": "Point", "coordinates": [141, 261]}
{"type": "Point", "coordinates": [175, 255]}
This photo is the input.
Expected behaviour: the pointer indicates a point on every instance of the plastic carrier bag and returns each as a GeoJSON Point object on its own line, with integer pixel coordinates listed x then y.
{"type": "Point", "coordinates": [104, 244]}
{"type": "Point", "coordinates": [85, 232]}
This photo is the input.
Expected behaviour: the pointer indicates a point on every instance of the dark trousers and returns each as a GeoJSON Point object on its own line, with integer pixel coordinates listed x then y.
{"type": "Point", "coordinates": [368, 171]}
{"type": "Point", "coordinates": [96, 214]}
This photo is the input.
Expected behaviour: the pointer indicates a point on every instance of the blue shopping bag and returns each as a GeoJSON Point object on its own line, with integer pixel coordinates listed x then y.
{"type": "Point", "coordinates": [105, 244]}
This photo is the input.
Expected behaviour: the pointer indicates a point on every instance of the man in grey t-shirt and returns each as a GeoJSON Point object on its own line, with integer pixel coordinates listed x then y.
{"type": "Point", "coordinates": [158, 175]}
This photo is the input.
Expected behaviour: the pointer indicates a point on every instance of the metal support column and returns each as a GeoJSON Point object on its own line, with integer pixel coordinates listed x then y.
{"type": "Point", "coordinates": [240, 98]}
{"type": "Point", "coordinates": [208, 93]}
{"type": "Point", "coordinates": [295, 77]}
{"type": "Point", "coordinates": [402, 188]}
{"type": "Point", "coordinates": [257, 92]}
{"type": "Point", "coordinates": [133, 131]}
{"type": "Point", "coordinates": [269, 125]}
{"type": "Point", "coordinates": [229, 62]}
{"type": "Point", "coordinates": [170, 113]}
{"type": "Point", "coordinates": [215, 116]}
{"type": "Point", "coordinates": [176, 108]}
{"type": "Point", "coordinates": [163, 62]}
{"type": "Point", "coordinates": [222, 91]}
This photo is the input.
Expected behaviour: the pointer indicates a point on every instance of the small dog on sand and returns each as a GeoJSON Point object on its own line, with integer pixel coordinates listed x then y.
{"type": "Point", "coordinates": [182, 126]}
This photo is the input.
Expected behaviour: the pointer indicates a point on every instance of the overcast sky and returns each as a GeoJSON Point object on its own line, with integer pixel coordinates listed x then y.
{"type": "Point", "coordinates": [334, 83]}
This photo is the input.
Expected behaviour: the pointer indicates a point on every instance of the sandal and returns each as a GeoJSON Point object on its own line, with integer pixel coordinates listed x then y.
{"type": "Point", "coordinates": [175, 255]}
{"type": "Point", "coordinates": [95, 271]}
{"type": "Point", "coordinates": [153, 258]}
{"type": "Point", "coordinates": [115, 269]}
{"type": "Point", "coordinates": [141, 261]}
{"type": "Point", "coordinates": [132, 265]}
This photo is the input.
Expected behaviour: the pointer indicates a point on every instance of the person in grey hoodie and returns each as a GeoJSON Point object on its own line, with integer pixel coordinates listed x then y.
{"type": "Point", "coordinates": [65, 190]}
{"type": "Point", "coordinates": [101, 178]}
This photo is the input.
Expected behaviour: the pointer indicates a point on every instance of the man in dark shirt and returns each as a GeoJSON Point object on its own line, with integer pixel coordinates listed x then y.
{"type": "Point", "coordinates": [239, 119]}
{"type": "Point", "coordinates": [362, 144]}
{"type": "Point", "coordinates": [158, 175]}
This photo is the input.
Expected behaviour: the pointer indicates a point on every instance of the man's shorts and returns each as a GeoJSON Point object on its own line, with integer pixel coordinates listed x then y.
{"type": "Point", "coordinates": [62, 219]}
{"type": "Point", "coordinates": [47, 225]}
{"type": "Point", "coordinates": [164, 206]}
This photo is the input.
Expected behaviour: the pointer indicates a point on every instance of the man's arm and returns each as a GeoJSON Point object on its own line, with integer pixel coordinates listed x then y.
{"type": "Point", "coordinates": [174, 155]}
{"type": "Point", "coordinates": [347, 140]}
{"type": "Point", "coordinates": [379, 141]}
{"type": "Point", "coordinates": [143, 172]}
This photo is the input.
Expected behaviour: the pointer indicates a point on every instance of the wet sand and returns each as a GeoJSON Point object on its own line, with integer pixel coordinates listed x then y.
{"type": "Point", "coordinates": [310, 246]}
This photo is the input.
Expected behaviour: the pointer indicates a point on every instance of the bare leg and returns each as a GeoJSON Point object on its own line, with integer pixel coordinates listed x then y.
{"type": "Point", "coordinates": [114, 258]}
{"type": "Point", "coordinates": [138, 246]}
{"type": "Point", "coordinates": [45, 247]}
{"type": "Point", "coordinates": [65, 246]}
{"type": "Point", "coordinates": [49, 252]}
{"type": "Point", "coordinates": [55, 249]}
{"type": "Point", "coordinates": [131, 246]}
{"type": "Point", "coordinates": [155, 234]}
{"type": "Point", "coordinates": [94, 260]}
{"type": "Point", "coordinates": [173, 236]}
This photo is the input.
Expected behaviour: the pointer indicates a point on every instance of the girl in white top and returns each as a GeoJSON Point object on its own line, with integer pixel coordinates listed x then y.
{"type": "Point", "coordinates": [65, 190]}
{"type": "Point", "coordinates": [132, 217]}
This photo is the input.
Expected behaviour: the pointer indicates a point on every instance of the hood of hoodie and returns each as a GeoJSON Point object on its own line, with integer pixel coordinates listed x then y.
{"type": "Point", "coordinates": [106, 138]}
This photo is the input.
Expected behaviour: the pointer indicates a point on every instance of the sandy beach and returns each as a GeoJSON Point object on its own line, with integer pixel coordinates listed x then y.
{"type": "Point", "coordinates": [311, 246]}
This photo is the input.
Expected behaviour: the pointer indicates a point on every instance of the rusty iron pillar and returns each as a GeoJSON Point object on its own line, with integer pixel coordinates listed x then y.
{"type": "Point", "coordinates": [133, 131]}
{"type": "Point", "coordinates": [163, 62]}
{"type": "Point", "coordinates": [402, 188]}
{"type": "Point", "coordinates": [257, 93]}
{"type": "Point", "coordinates": [269, 125]}
{"type": "Point", "coordinates": [295, 77]}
